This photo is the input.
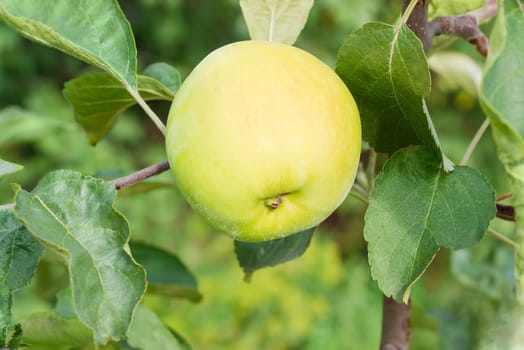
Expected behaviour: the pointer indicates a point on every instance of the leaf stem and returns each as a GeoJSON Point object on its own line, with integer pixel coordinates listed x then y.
{"type": "Point", "coordinates": [474, 142]}
{"type": "Point", "coordinates": [499, 236]}
{"type": "Point", "coordinates": [150, 113]}
{"type": "Point", "coordinates": [140, 175]}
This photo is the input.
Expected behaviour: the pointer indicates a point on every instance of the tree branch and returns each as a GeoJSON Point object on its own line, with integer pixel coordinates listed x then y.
{"type": "Point", "coordinates": [418, 22]}
{"type": "Point", "coordinates": [395, 325]}
{"type": "Point", "coordinates": [140, 175]}
{"type": "Point", "coordinates": [465, 26]}
{"type": "Point", "coordinates": [124, 181]}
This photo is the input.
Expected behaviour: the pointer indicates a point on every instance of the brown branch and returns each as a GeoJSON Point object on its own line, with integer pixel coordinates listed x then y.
{"type": "Point", "coordinates": [395, 325]}
{"type": "Point", "coordinates": [140, 175]}
{"type": "Point", "coordinates": [418, 22]}
{"type": "Point", "coordinates": [465, 26]}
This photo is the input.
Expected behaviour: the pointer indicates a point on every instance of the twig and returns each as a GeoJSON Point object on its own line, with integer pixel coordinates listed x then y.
{"type": "Point", "coordinates": [150, 113]}
{"type": "Point", "coordinates": [465, 26]}
{"type": "Point", "coordinates": [418, 21]}
{"type": "Point", "coordinates": [395, 325]}
{"type": "Point", "coordinates": [124, 181]}
{"type": "Point", "coordinates": [499, 236]}
{"type": "Point", "coordinates": [474, 142]}
{"type": "Point", "coordinates": [140, 175]}
{"type": "Point", "coordinates": [7, 206]}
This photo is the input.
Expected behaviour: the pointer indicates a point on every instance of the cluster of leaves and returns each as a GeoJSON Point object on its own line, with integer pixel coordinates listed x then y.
{"type": "Point", "coordinates": [420, 201]}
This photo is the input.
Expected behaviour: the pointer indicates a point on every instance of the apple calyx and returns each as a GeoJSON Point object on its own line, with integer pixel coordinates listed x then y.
{"type": "Point", "coordinates": [274, 202]}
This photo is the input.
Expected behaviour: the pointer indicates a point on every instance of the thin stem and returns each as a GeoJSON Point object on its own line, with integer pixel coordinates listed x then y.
{"type": "Point", "coordinates": [485, 13]}
{"type": "Point", "coordinates": [7, 206]}
{"type": "Point", "coordinates": [140, 175]}
{"type": "Point", "coordinates": [499, 236]}
{"type": "Point", "coordinates": [150, 113]}
{"type": "Point", "coordinates": [474, 142]}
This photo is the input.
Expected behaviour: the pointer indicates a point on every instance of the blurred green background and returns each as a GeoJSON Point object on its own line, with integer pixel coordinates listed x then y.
{"type": "Point", "coordinates": [326, 299]}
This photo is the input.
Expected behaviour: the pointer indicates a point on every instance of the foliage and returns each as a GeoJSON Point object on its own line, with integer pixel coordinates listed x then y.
{"type": "Point", "coordinates": [73, 270]}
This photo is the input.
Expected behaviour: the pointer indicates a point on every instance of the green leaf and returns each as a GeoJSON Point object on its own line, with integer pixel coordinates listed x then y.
{"type": "Point", "coordinates": [98, 98]}
{"type": "Point", "coordinates": [165, 74]}
{"type": "Point", "coordinates": [386, 70]}
{"type": "Point", "coordinates": [7, 168]}
{"type": "Point", "coordinates": [19, 256]}
{"type": "Point", "coordinates": [278, 21]}
{"type": "Point", "coordinates": [148, 332]}
{"type": "Point", "coordinates": [74, 215]}
{"type": "Point", "coordinates": [254, 256]}
{"type": "Point", "coordinates": [416, 207]}
{"type": "Point", "coordinates": [501, 98]}
{"type": "Point", "coordinates": [166, 274]}
{"type": "Point", "coordinates": [6, 317]}
{"type": "Point", "coordinates": [94, 31]}
{"type": "Point", "coordinates": [18, 125]}
{"type": "Point", "coordinates": [19, 252]}
{"type": "Point", "coordinates": [457, 70]}
{"type": "Point", "coordinates": [47, 331]}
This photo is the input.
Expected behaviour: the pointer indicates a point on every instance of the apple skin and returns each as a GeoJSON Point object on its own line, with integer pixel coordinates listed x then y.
{"type": "Point", "coordinates": [263, 140]}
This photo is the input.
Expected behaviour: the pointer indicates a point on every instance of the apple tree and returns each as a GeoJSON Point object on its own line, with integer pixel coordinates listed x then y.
{"type": "Point", "coordinates": [418, 199]}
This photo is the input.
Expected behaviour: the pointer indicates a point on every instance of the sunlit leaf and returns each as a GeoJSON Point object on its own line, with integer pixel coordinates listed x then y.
{"type": "Point", "coordinates": [98, 98]}
{"type": "Point", "coordinates": [254, 256]}
{"type": "Point", "coordinates": [74, 216]}
{"type": "Point", "coordinates": [279, 21]}
{"type": "Point", "coordinates": [94, 31]}
{"type": "Point", "coordinates": [166, 274]}
{"type": "Point", "coordinates": [416, 207]}
{"type": "Point", "coordinates": [386, 70]}
{"type": "Point", "coordinates": [502, 99]}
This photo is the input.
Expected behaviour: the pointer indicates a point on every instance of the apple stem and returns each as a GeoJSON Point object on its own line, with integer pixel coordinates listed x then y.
{"type": "Point", "coordinates": [274, 202]}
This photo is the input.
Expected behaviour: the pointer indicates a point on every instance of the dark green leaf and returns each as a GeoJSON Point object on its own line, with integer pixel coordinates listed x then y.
{"type": "Point", "coordinates": [166, 274]}
{"type": "Point", "coordinates": [501, 97]}
{"type": "Point", "coordinates": [94, 31]}
{"type": "Point", "coordinates": [18, 125]}
{"type": "Point", "coordinates": [16, 337]}
{"type": "Point", "coordinates": [165, 74]}
{"type": "Point", "coordinates": [416, 207]}
{"type": "Point", "coordinates": [47, 331]}
{"type": "Point", "coordinates": [386, 70]}
{"type": "Point", "coordinates": [7, 168]}
{"type": "Point", "coordinates": [148, 332]}
{"type": "Point", "coordinates": [19, 252]}
{"type": "Point", "coordinates": [98, 98]}
{"type": "Point", "coordinates": [6, 317]}
{"type": "Point", "coordinates": [254, 256]}
{"type": "Point", "coordinates": [74, 215]}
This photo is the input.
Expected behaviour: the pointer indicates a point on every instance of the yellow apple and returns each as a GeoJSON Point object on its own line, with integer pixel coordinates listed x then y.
{"type": "Point", "coordinates": [263, 140]}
